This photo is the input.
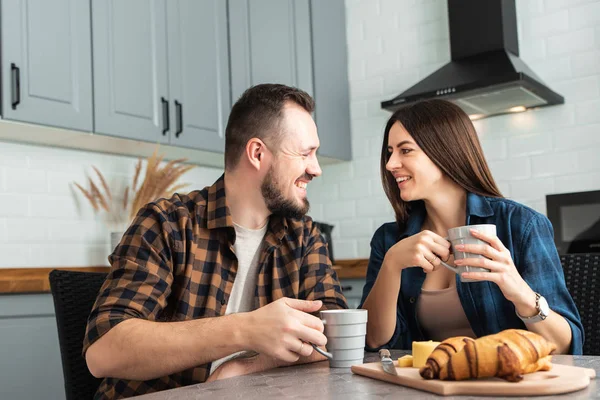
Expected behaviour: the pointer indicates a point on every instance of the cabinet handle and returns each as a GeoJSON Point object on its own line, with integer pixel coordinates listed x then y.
{"type": "Point", "coordinates": [346, 288]}
{"type": "Point", "coordinates": [16, 79]}
{"type": "Point", "coordinates": [165, 110]}
{"type": "Point", "coordinates": [179, 111]}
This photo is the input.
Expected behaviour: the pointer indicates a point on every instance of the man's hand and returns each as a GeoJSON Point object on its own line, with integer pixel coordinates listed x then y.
{"type": "Point", "coordinates": [242, 366]}
{"type": "Point", "coordinates": [284, 330]}
{"type": "Point", "coordinates": [260, 362]}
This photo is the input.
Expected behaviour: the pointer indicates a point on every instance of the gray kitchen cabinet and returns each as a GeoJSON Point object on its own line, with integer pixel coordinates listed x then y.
{"type": "Point", "coordinates": [46, 63]}
{"type": "Point", "coordinates": [140, 72]}
{"type": "Point", "coordinates": [352, 289]}
{"type": "Point", "coordinates": [330, 71]}
{"type": "Point", "coordinates": [270, 43]}
{"type": "Point", "coordinates": [131, 93]}
{"type": "Point", "coordinates": [198, 73]}
{"type": "Point", "coordinates": [161, 71]}
{"type": "Point", "coordinates": [300, 43]}
{"type": "Point", "coordinates": [30, 354]}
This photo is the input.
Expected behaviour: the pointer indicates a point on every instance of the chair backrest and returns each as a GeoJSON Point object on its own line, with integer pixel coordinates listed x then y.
{"type": "Point", "coordinates": [582, 275]}
{"type": "Point", "coordinates": [74, 295]}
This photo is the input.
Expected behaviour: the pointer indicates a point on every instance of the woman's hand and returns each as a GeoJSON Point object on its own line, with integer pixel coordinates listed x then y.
{"type": "Point", "coordinates": [503, 272]}
{"type": "Point", "coordinates": [423, 249]}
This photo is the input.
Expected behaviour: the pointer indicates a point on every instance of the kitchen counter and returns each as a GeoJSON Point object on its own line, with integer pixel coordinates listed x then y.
{"type": "Point", "coordinates": [351, 269]}
{"type": "Point", "coordinates": [35, 280]}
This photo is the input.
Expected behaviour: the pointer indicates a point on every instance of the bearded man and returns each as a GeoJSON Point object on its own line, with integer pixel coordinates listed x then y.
{"type": "Point", "coordinates": [222, 281]}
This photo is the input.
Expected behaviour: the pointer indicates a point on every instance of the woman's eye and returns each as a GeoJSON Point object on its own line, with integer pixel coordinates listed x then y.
{"type": "Point", "coordinates": [405, 151]}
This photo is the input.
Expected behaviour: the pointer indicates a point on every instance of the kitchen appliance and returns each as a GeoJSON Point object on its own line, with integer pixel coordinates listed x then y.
{"type": "Point", "coordinates": [326, 235]}
{"type": "Point", "coordinates": [485, 76]}
{"type": "Point", "coordinates": [575, 218]}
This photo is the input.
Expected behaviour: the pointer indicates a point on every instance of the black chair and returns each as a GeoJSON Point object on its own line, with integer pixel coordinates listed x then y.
{"type": "Point", "coordinates": [582, 275]}
{"type": "Point", "coordinates": [74, 295]}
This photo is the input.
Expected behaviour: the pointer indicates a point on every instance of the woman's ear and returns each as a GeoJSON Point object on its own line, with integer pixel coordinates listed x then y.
{"type": "Point", "coordinates": [255, 151]}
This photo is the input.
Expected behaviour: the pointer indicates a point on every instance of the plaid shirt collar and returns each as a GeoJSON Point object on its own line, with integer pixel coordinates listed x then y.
{"type": "Point", "coordinates": [218, 216]}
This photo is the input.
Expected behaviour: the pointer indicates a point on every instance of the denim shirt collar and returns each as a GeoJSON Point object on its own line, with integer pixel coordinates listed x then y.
{"type": "Point", "coordinates": [477, 205]}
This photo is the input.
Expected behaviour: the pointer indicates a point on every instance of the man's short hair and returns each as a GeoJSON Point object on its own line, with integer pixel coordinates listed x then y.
{"type": "Point", "coordinates": [258, 114]}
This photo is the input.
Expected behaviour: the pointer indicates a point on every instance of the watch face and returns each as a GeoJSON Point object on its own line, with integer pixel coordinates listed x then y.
{"type": "Point", "coordinates": [544, 308]}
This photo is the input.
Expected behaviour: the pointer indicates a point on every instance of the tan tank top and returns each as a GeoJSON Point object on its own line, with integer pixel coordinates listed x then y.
{"type": "Point", "coordinates": [441, 314]}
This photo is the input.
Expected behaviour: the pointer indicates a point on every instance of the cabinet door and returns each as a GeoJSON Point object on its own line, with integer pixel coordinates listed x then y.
{"type": "Point", "coordinates": [30, 356]}
{"type": "Point", "coordinates": [270, 43]}
{"type": "Point", "coordinates": [330, 71]}
{"type": "Point", "coordinates": [46, 62]}
{"type": "Point", "coordinates": [198, 73]}
{"type": "Point", "coordinates": [131, 96]}
{"type": "Point", "coordinates": [352, 290]}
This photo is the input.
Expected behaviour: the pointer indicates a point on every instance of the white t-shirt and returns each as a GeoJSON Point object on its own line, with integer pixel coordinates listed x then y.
{"type": "Point", "coordinates": [247, 250]}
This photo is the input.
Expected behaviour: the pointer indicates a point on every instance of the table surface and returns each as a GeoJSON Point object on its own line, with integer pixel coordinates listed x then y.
{"type": "Point", "coordinates": [318, 381]}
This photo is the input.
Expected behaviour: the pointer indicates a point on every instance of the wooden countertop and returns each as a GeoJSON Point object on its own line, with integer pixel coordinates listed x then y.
{"type": "Point", "coordinates": [35, 280]}
{"type": "Point", "coordinates": [351, 269]}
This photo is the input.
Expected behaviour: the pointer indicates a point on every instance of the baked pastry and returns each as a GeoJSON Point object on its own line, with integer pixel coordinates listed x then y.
{"type": "Point", "coordinates": [441, 355]}
{"type": "Point", "coordinates": [509, 355]}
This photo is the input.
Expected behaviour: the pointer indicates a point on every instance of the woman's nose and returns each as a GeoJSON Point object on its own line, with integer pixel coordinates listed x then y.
{"type": "Point", "coordinates": [393, 163]}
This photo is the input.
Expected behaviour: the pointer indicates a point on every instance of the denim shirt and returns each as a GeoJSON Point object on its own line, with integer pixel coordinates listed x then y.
{"type": "Point", "coordinates": [527, 234]}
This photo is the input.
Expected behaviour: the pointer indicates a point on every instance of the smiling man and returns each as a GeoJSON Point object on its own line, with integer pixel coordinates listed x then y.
{"type": "Point", "coordinates": [221, 281]}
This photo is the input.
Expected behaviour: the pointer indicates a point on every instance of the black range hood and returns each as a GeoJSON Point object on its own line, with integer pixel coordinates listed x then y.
{"type": "Point", "coordinates": [485, 76]}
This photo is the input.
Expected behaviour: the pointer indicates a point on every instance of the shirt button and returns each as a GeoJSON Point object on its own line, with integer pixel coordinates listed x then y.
{"type": "Point", "coordinates": [412, 300]}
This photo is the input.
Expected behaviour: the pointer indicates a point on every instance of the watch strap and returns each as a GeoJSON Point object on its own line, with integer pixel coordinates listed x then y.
{"type": "Point", "coordinates": [536, 318]}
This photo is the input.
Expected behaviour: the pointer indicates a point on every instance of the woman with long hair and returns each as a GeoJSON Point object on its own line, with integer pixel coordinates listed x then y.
{"type": "Point", "coordinates": [435, 175]}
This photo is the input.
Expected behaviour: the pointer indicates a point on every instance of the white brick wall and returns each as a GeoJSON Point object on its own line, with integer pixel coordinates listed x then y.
{"type": "Point", "coordinates": [44, 221]}
{"type": "Point", "coordinates": [393, 43]}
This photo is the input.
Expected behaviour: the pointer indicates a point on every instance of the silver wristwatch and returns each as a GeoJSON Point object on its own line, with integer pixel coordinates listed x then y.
{"type": "Point", "coordinates": [543, 310]}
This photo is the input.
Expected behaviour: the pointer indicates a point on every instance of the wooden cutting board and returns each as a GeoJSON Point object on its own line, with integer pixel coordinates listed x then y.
{"type": "Point", "coordinates": [560, 379]}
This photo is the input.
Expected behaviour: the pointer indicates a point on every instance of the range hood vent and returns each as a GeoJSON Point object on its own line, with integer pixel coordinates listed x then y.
{"type": "Point", "coordinates": [485, 76]}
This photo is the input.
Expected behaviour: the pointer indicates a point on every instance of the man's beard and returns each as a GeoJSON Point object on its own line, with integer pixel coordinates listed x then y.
{"type": "Point", "coordinates": [276, 201]}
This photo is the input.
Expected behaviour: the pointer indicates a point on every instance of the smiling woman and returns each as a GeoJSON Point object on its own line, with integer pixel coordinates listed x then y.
{"type": "Point", "coordinates": [451, 152]}
{"type": "Point", "coordinates": [436, 178]}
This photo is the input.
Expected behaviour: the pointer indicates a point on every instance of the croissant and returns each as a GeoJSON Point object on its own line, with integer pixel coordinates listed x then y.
{"type": "Point", "coordinates": [441, 355]}
{"type": "Point", "coordinates": [509, 355]}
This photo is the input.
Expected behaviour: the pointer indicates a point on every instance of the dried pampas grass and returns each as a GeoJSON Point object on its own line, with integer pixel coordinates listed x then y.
{"type": "Point", "coordinates": [158, 181]}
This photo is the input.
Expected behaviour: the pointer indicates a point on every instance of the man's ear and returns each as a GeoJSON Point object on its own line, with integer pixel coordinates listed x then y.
{"type": "Point", "coordinates": [255, 151]}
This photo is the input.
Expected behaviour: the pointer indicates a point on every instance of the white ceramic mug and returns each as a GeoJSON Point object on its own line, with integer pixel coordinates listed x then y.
{"type": "Point", "coordinates": [345, 331]}
{"type": "Point", "coordinates": [462, 235]}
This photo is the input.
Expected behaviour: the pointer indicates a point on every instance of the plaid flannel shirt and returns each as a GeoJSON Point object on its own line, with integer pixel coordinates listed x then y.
{"type": "Point", "coordinates": [176, 262]}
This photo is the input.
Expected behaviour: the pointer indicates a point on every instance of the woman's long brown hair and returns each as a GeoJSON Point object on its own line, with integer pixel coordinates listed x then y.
{"type": "Point", "coordinates": [447, 136]}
